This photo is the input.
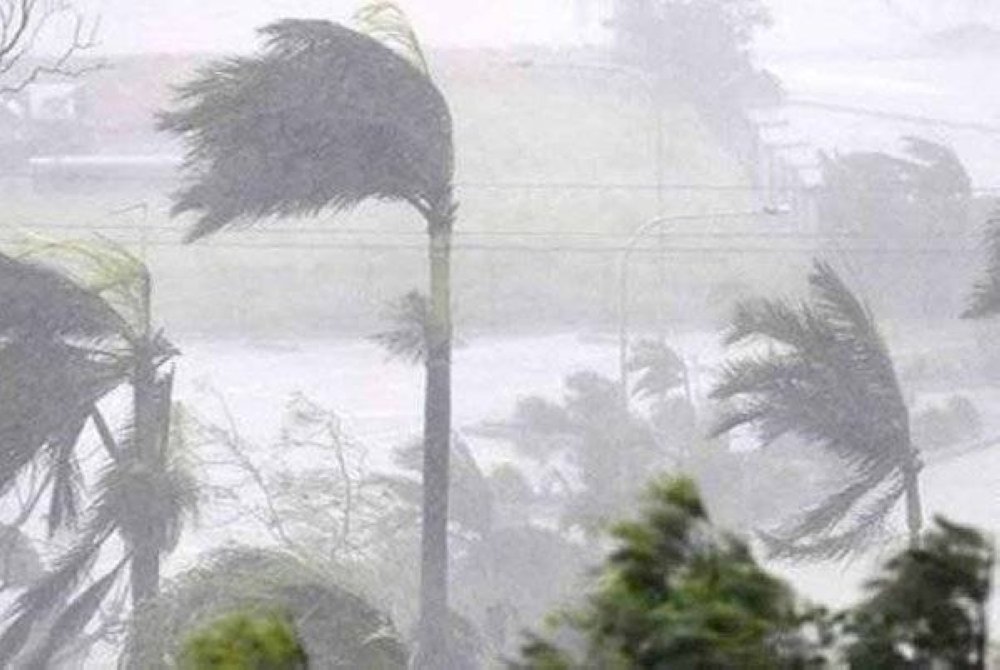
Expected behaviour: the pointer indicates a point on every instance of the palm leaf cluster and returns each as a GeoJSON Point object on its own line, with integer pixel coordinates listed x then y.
{"type": "Point", "coordinates": [72, 333]}
{"type": "Point", "coordinates": [323, 117]}
{"type": "Point", "coordinates": [409, 337]}
{"type": "Point", "coordinates": [57, 360]}
{"type": "Point", "coordinates": [820, 370]}
{"type": "Point", "coordinates": [606, 446]}
{"type": "Point", "coordinates": [661, 369]}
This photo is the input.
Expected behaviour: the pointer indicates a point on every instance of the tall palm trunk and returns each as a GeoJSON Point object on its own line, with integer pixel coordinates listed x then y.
{"type": "Point", "coordinates": [911, 485]}
{"type": "Point", "coordinates": [433, 645]}
{"type": "Point", "coordinates": [911, 489]}
{"type": "Point", "coordinates": [145, 564]}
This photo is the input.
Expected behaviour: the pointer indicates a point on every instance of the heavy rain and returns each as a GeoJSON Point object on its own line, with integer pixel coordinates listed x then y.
{"type": "Point", "coordinates": [470, 335]}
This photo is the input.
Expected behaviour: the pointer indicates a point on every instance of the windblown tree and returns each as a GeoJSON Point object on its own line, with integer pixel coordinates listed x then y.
{"type": "Point", "coordinates": [325, 118]}
{"type": "Point", "coordinates": [700, 51]}
{"type": "Point", "coordinates": [72, 336]}
{"type": "Point", "coordinates": [874, 206]}
{"type": "Point", "coordinates": [928, 607]}
{"type": "Point", "coordinates": [675, 593]}
{"type": "Point", "coordinates": [821, 371]}
{"type": "Point", "coordinates": [338, 628]}
{"type": "Point", "coordinates": [703, 48]}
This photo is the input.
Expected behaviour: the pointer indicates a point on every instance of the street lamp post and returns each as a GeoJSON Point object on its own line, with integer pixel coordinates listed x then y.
{"type": "Point", "coordinates": [662, 224]}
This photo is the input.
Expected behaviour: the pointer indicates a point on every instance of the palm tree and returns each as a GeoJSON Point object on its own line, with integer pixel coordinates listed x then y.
{"type": "Point", "coordinates": [821, 371]}
{"type": "Point", "coordinates": [74, 335]}
{"type": "Point", "coordinates": [325, 118]}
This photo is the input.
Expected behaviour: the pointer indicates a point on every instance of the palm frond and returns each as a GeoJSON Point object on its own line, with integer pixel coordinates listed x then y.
{"type": "Point", "coordinates": [32, 606]}
{"type": "Point", "coordinates": [775, 320]}
{"type": "Point", "coordinates": [854, 534]}
{"type": "Point", "coordinates": [73, 620]}
{"type": "Point", "coordinates": [45, 387]}
{"type": "Point", "coordinates": [147, 501]}
{"type": "Point", "coordinates": [67, 479]}
{"type": "Point", "coordinates": [387, 22]}
{"type": "Point", "coordinates": [660, 368]}
{"type": "Point", "coordinates": [104, 268]}
{"type": "Point", "coordinates": [38, 300]}
{"type": "Point", "coordinates": [323, 117]}
{"type": "Point", "coordinates": [408, 338]}
{"type": "Point", "coordinates": [824, 516]}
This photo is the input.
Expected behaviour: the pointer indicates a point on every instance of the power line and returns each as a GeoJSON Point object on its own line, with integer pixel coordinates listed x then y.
{"type": "Point", "coordinates": [569, 249]}
{"type": "Point", "coordinates": [317, 231]}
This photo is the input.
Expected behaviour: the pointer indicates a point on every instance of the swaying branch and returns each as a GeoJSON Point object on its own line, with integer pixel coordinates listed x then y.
{"type": "Point", "coordinates": [22, 23]}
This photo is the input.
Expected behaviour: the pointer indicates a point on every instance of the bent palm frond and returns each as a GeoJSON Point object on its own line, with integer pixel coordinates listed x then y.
{"type": "Point", "coordinates": [660, 368]}
{"type": "Point", "coordinates": [387, 22]}
{"type": "Point", "coordinates": [322, 117]}
{"type": "Point", "coordinates": [408, 338]}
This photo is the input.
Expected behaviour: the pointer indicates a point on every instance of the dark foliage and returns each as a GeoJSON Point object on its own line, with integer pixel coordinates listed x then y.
{"type": "Point", "coordinates": [675, 594]}
{"type": "Point", "coordinates": [929, 606]}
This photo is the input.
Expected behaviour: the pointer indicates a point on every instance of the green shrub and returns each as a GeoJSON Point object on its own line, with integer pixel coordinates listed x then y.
{"type": "Point", "coordinates": [245, 642]}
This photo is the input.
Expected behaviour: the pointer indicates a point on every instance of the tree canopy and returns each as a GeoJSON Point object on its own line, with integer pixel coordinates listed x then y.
{"type": "Point", "coordinates": [322, 117]}
{"type": "Point", "coordinates": [673, 593]}
{"type": "Point", "coordinates": [929, 605]}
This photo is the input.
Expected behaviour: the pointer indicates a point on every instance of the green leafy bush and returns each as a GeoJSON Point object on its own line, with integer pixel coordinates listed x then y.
{"type": "Point", "coordinates": [245, 642]}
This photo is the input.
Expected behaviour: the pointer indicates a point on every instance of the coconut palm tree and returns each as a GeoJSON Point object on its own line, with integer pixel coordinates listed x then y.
{"type": "Point", "coordinates": [74, 333]}
{"type": "Point", "coordinates": [325, 118]}
{"type": "Point", "coordinates": [821, 371]}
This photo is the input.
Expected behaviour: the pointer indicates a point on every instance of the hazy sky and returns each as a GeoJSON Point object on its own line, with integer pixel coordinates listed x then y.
{"type": "Point", "coordinates": [228, 25]}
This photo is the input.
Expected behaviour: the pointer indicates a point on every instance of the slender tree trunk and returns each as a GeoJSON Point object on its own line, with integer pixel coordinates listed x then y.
{"type": "Point", "coordinates": [911, 489]}
{"type": "Point", "coordinates": [432, 651]}
{"type": "Point", "coordinates": [145, 564]}
{"type": "Point", "coordinates": [981, 637]}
